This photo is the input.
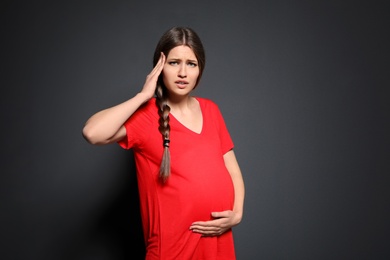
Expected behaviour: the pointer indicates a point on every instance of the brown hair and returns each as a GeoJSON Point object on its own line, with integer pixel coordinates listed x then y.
{"type": "Point", "coordinates": [172, 38]}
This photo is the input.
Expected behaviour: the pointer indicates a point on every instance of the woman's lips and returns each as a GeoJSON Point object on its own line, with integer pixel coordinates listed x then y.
{"type": "Point", "coordinates": [181, 83]}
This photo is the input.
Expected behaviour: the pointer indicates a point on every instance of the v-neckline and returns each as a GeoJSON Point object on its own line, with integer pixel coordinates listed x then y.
{"type": "Point", "coordinates": [189, 129]}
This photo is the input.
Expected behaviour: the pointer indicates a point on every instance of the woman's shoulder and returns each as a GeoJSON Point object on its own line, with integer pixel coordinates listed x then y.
{"type": "Point", "coordinates": [148, 109]}
{"type": "Point", "coordinates": [207, 104]}
{"type": "Point", "coordinates": [205, 101]}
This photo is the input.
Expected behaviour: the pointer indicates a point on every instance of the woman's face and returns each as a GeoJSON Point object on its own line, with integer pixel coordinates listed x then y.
{"type": "Point", "coordinates": [181, 71]}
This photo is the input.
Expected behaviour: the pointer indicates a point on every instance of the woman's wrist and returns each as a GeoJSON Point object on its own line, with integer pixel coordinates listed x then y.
{"type": "Point", "coordinates": [238, 216]}
{"type": "Point", "coordinates": [143, 97]}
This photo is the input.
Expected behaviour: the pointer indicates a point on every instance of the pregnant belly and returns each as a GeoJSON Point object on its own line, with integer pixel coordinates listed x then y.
{"type": "Point", "coordinates": [185, 199]}
{"type": "Point", "coordinates": [194, 196]}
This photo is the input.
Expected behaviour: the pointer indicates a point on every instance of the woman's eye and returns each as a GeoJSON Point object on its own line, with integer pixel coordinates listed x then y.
{"type": "Point", "coordinates": [173, 63]}
{"type": "Point", "coordinates": [191, 64]}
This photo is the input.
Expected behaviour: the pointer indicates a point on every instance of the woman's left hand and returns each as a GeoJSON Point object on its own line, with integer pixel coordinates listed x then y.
{"type": "Point", "coordinates": [222, 222]}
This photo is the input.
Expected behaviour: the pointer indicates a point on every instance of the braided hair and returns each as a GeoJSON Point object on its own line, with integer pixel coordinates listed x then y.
{"type": "Point", "coordinates": [172, 38]}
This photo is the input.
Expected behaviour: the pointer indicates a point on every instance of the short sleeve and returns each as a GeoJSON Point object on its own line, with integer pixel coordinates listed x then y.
{"type": "Point", "coordinates": [136, 127]}
{"type": "Point", "coordinates": [225, 138]}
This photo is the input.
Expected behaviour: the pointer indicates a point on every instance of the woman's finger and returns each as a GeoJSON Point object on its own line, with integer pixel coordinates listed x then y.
{"type": "Point", "coordinates": [159, 66]}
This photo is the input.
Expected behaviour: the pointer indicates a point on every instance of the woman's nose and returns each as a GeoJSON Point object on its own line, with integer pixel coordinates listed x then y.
{"type": "Point", "coordinates": [182, 71]}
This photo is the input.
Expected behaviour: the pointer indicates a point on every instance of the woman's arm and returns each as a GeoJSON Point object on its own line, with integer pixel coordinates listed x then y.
{"type": "Point", "coordinates": [106, 126]}
{"type": "Point", "coordinates": [225, 220]}
{"type": "Point", "coordinates": [238, 182]}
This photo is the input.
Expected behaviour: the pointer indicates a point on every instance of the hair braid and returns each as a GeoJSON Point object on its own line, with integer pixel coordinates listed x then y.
{"type": "Point", "coordinates": [164, 128]}
{"type": "Point", "coordinates": [175, 36]}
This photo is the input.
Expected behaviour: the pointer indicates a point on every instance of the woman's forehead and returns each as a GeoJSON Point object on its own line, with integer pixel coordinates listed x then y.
{"type": "Point", "coordinates": [182, 51]}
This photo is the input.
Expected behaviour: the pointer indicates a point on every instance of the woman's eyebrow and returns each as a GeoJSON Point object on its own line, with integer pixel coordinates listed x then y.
{"type": "Point", "coordinates": [178, 59]}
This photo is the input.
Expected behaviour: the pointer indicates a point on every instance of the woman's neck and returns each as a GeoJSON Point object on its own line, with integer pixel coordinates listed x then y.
{"type": "Point", "coordinates": [181, 104]}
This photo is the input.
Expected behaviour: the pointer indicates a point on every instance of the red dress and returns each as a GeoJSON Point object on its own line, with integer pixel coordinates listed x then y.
{"type": "Point", "coordinates": [198, 185]}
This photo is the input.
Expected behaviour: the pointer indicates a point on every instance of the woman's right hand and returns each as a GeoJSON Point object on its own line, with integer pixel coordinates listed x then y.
{"type": "Point", "coordinates": [106, 126]}
{"type": "Point", "coordinates": [151, 80]}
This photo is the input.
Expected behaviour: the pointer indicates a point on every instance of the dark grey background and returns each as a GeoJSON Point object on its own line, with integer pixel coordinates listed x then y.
{"type": "Point", "coordinates": [304, 89]}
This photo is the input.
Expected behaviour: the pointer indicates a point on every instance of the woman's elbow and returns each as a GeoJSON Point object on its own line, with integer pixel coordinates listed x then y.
{"type": "Point", "coordinates": [90, 135]}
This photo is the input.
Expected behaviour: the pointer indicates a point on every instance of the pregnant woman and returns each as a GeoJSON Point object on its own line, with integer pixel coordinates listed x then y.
{"type": "Point", "coordinates": [191, 187]}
